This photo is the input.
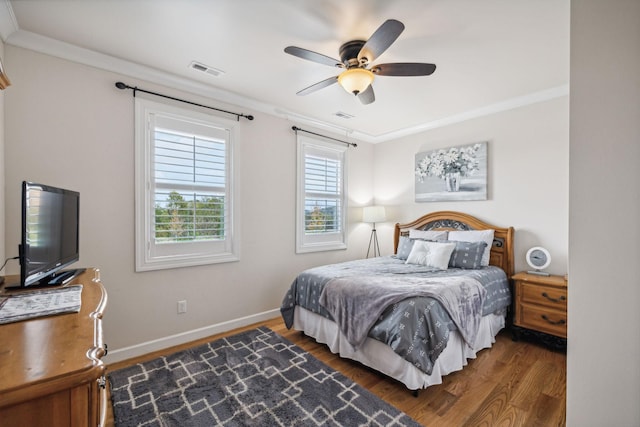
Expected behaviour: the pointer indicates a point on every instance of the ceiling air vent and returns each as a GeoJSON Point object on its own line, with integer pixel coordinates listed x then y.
{"type": "Point", "coordinates": [344, 115]}
{"type": "Point", "coordinates": [206, 69]}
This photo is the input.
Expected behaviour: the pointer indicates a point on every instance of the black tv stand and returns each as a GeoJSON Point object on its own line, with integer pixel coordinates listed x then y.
{"type": "Point", "coordinates": [60, 278]}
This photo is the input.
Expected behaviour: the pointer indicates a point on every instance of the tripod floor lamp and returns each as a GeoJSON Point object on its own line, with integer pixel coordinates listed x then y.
{"type": "Point", "coordinates": [373, 214]}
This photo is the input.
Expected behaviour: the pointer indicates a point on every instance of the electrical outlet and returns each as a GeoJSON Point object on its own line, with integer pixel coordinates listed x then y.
{"type": "Point", "coordinates": [182, 306]}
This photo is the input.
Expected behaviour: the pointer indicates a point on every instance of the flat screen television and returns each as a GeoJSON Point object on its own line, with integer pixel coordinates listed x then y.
{"type": "Point", "coordinates": [50, 238]}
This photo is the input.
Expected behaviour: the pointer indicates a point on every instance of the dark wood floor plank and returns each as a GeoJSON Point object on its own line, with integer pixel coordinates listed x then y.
{"type": "Point", "coordinates": [441, 402]}
{"type": "Point", "coordinates": [532, 385]}
{"type": "Point", "coordinates": [492, 407]}
{"type": "Point", "coordinates": [556, 384]}
{"type": "Point", "coordinates": [546, 412]}
{"type": "Point", "coordinates": [511, 417]}
{"type": "Point", "coordinates": [471, 392]}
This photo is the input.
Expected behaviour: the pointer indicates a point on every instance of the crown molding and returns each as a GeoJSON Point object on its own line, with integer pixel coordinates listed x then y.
{"type": "Point", "coordinates": [509, 104]}
{"type": "Point", "coordinates": [8, 22]}
{"type": "Point", "coordinates": [56, 48]}
{"type": "Point", "coordinates": [70, 52]}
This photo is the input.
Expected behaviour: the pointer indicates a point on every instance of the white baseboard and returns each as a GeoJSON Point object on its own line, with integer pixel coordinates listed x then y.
{"type": "Point", "coordinates": [120, 354]}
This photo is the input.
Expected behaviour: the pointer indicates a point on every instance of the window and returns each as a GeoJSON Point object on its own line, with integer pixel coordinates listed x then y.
{"type": "Point", "coordinates": [184, 187]}
{"type": "Point", "coordinates": [321, 204]}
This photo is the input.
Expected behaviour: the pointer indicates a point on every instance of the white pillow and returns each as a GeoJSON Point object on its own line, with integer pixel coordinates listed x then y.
{"type": "Point", "coordinates": [428, 234]}
{"type": "Point", "coordinates": [475, 236]}
{"type": "Point", "coordinates": [431, 254]}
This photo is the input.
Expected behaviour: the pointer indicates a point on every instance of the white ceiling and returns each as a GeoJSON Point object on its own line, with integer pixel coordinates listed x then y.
{"type": "Point", "coordinates": [491, 55]}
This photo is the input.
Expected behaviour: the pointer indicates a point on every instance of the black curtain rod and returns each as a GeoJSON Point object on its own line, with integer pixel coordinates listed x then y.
{"type": "Point", "coordinates": [296, 129]}
{"type": "Point", "coordinates": [121, 85]}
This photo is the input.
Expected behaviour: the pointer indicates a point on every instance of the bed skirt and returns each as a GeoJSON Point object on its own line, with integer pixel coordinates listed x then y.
{"type": "Point", "coordinates": [381, 357]}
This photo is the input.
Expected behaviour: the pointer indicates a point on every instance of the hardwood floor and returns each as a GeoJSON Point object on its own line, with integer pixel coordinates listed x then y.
{"type": "Point", "coordinates": [510, 384]}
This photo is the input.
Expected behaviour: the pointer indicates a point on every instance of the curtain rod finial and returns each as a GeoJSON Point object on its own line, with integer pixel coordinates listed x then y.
{"type": "Point", "coordinates": [121, 85]}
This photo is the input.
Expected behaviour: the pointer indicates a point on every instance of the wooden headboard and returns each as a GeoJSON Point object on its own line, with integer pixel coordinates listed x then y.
{"type": "Point", "coordinates": [501, 250]}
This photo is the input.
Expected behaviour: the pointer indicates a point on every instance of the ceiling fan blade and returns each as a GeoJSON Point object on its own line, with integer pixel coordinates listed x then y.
{"type": "Point", "coordinates": [380, 41]}
{"type": "Point", "coordinates": [312, 56]}
{"type": "Point", "coordinates": [317, 86]}
{"type": "Point", "coordinates": [367, 97]}
{"type": "Point", "coordinates": [404, 69]}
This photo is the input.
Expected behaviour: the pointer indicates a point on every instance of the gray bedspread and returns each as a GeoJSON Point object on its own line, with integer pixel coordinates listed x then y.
{"type": "Point", "coordinates": [356, 303]}
{"type": "Point", "coordinates": [416, 327]}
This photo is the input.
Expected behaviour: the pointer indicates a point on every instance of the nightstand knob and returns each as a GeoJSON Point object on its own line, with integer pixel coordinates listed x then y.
{"type": "Point", "coordinates": [561, 299]}
{"type": "Point", "coordinates": [559, 322]}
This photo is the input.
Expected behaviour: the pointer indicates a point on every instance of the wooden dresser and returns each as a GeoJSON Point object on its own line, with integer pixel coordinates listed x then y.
{"type": "Point", "coordinates": [540, 308]}
{"type": "Point", "coordinates": [51, 372]}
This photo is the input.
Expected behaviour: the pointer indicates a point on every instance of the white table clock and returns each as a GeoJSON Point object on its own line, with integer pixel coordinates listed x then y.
{"type": "Point", "coordinates": [538, 258]}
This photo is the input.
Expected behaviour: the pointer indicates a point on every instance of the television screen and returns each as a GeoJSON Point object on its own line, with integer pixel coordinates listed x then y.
{"type": "Point", "coordinates": [50, 223]}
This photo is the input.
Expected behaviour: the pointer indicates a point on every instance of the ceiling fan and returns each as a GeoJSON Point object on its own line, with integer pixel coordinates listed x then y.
{"type": "Point", "coordinates": [356, 57]}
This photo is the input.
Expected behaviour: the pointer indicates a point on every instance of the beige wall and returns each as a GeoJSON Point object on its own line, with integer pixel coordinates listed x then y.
{"type": "Point", "coordinates": [528, 178]}
{"type": "Point", "coordinates": [68, 126]}
{"type": "Point", "coordinates": [603, 357]}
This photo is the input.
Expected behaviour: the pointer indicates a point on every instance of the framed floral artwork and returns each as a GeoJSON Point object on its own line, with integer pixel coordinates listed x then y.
{"type": "Point", "coordinates": [452, 174]}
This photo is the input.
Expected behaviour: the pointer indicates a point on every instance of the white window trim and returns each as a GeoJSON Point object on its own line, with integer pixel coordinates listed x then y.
{"type": "Point", "coordinates": [326, 241]}
{"type": "Point", "coordinates": [195, 253]}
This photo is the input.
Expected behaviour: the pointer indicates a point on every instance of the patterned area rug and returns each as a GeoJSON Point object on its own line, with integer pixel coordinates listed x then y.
{"type": "Point", "coordinates": [256, 378]}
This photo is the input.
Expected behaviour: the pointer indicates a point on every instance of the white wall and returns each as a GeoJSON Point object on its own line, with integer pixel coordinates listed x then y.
{"type": "Point", "coordinates": [528, 178]}
{"type": "Point", "coordinates": [68, 126]}
{"type": "Point", "coordinates": [603, 355]}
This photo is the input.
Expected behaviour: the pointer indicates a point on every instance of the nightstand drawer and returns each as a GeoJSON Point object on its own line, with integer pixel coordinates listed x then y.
{"type": "Point", "coordinates": [544, 295]}
{"type": "Point", "coordinates": [538, 318]}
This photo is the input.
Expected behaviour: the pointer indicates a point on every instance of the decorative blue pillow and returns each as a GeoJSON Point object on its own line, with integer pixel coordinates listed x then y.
{"type": "Point", "coordinates": [475, 236]}
{"type": "Point", "coordinates": [405, 245]}
{"type": "Point", "coordinates": [467, 255]}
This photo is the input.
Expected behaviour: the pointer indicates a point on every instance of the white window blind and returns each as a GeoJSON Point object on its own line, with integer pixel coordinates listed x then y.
{"type": "Point", "coordinates": [321, 196]}
{"type": "Point", "coordinates": [184, 171]}
{"type": "Point", "coordinates": [190, 187]}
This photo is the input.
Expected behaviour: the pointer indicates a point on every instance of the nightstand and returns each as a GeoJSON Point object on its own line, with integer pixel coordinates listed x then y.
{"type": "Point", "coordinates": [540, 308]}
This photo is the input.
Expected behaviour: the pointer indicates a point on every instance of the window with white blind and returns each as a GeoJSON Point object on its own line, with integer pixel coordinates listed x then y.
{"type": "Point", "coordinates": [184, 191]}
{"type": "Point", "coordinates": [321, 201]}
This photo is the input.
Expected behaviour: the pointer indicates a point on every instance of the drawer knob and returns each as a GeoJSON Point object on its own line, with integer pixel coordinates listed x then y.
{"type": "Point", "coordinates": [557, 322]}
{"type": "Point", "coordinates": [561, 299]}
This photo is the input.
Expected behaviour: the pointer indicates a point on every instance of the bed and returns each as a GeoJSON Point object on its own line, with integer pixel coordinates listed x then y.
{"type": "Point", "coordinates": [419, 314]}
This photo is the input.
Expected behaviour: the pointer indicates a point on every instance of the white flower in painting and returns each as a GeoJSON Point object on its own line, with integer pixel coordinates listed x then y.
{"type": "Point", "coordinates": [450, 156]}
{"type": "Point", "coordinates": [438, 170]}
{"type": "Point", "coordinates": [442, 162]}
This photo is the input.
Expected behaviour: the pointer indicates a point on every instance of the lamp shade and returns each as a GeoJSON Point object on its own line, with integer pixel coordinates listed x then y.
{"type": "Point", "coordinates": [355, 80]}
{"type": "Point", "coordinates": [373, 214]}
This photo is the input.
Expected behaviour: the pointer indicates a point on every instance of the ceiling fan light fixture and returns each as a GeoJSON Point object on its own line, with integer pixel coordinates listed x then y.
{"type": "Point", "coordinates": [355, 80]}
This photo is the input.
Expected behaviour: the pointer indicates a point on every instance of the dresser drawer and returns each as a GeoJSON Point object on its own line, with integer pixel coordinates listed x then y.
{"type": "Point", "coordinates": [544, 295]}
{"type": "Point", "coordinates": [541, 319]}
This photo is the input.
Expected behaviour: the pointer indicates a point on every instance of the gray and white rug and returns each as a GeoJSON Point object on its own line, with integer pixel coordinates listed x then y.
{"type": "Point", "coordinates": [255, 378]}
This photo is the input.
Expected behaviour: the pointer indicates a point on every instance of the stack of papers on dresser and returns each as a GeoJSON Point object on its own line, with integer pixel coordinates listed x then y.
{"type": "Point", "coordinates": [44, 302]}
